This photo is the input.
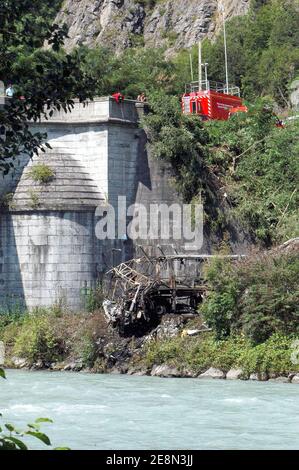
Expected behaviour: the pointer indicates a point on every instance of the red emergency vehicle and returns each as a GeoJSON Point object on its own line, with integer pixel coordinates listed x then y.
{"type": "Point", "coordinates": [212, 100]}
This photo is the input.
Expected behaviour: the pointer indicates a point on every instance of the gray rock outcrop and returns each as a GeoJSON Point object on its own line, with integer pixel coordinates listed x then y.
{"type": "Point", "coordinates": [234, 374]}
{"type": "Point", "coordinates": [164, 371]}
{"type": "Point", "coordinates": [295, 379]}
{"type": "Point", "coordinates": [294, 96]}
{"type": "Point", "coordinates": [212, 373]}
{"type": "Point", "coordinates": [173, 24]}
{"type": "Point", "coordinates": [261, 376]}
{"type": "Point", "coordinates": [139, 372]}
{"type": "Point", "coordinates": [280, 379]}
{"type": "Point", "coordinates": [20, 362]}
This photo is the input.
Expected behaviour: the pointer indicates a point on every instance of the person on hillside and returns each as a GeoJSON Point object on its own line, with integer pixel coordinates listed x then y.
{"type": "Point", "coordinates": [10, 91]}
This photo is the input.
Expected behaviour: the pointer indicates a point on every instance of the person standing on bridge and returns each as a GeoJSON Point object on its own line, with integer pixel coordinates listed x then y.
{"type": "Point", "coordinates": [142, 98]}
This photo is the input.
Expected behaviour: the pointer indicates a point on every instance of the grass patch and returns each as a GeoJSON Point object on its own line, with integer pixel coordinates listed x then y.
{"type": "Point", "coordinates": [34, 199]}
{"type": "Point", "coordinates": [41, 173]}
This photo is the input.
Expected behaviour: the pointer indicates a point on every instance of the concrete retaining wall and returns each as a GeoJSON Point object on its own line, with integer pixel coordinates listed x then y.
{"type": "Point", "coordinates": [47, 258]}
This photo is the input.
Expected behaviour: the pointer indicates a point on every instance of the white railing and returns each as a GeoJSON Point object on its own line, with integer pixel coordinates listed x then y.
{"type": "Point", "coordinates": [4, 100]}
{"type": "Point", "coordinates": [207, 85]}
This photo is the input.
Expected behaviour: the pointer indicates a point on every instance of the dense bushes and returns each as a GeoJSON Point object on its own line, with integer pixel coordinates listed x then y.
{"type": "Point", "coordinates": [197, 354]}
{"type": "Point", "coordinates": [258, 296]}
{"type": "Point", "coordinates": [246, 165]}
{"type": "Point", "coordinates": [35, 337]}
{"type": "Point", "coordinates": [257, 164]}
{"type": "Point", "coordinates": [182, 143]}
{"type": "Point", "coordinates": [37, 340]}
{"type": "Point", "coordinates": [47, 335]}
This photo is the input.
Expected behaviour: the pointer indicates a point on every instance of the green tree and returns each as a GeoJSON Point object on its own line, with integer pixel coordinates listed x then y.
{"type": "Point", "coordinates": [48, 78]}
{"type": "Point", "coordinates": [136, 70]}
{"type": "Point", "coordinates": [12, 438]}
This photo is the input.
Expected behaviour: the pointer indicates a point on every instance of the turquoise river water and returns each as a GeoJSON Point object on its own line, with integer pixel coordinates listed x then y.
{"type": "Point", "coordinates": [120, 412]}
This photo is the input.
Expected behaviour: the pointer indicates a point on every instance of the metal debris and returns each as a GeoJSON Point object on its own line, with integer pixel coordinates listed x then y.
{"type": "Point", "coordinates": [143, 289]}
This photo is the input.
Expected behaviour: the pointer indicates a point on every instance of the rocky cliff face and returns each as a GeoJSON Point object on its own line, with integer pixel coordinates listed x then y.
{"type": "Point", "coordinates": [153, 23]}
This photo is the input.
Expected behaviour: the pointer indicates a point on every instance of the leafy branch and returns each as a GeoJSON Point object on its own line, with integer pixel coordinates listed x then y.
{"type": "Point", "coordinates": [12, 438]}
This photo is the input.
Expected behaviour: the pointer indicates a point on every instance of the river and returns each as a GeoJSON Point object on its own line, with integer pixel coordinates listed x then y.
{"type": "Point", "coordinates": [121, 412]}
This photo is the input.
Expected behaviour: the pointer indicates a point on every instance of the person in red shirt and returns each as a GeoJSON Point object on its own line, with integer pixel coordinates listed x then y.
{"type": "Point", "coordinates": [118, 97]}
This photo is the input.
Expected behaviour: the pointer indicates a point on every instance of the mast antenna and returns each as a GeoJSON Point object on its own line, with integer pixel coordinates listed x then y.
{"type": "Point", "coordinates": [221, 10]}
{"type": "Point", "coordinates": [199, 67]}
{"type": "Point", "coordinates": [191, 67]}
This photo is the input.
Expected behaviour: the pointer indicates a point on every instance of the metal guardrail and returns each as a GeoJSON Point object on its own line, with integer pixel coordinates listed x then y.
{"type": "Point", "coordinates": [207, 85]}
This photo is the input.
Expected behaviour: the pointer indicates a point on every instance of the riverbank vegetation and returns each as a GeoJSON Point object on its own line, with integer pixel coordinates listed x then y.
{"type": "Point", "coordinates": [257, 297]}
{"type": "Point", "coordinates": [251, 308]}
{"type": "Point", "coordinates": [51, 335]}
{"type": "Point", "coordinates": [197, 354]}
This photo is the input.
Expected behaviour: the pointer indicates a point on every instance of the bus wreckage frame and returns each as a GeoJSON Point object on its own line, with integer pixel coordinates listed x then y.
{"type": "Point", "coordinates": [144, 289]}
